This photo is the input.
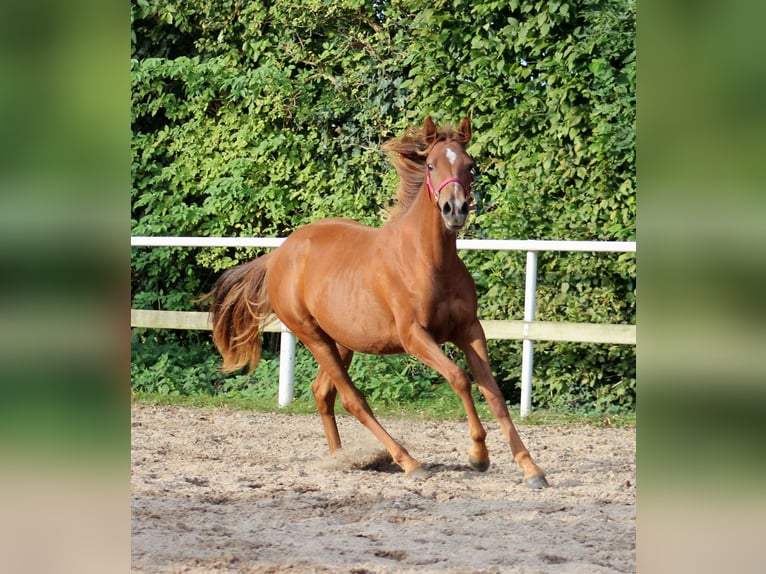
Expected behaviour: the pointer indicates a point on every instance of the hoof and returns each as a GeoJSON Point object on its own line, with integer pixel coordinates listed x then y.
{"type": "Point", "coordinates": [536, 482]}
{"type": "Point", "coordinates": [478, 465]}
{"type": "Point", "coordinates": [418, 474]}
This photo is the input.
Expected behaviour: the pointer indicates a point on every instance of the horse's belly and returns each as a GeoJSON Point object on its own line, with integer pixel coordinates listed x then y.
{"type": "Point", "coordinates": [361, 331]}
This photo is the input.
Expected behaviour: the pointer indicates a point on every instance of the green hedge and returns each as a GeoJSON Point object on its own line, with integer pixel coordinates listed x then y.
{"type": "Point", "coordinates": [251, 119]}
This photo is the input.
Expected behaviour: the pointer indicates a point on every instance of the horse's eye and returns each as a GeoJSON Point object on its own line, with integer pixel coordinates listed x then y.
{"type": "Point", "coordinates": [430, 167]}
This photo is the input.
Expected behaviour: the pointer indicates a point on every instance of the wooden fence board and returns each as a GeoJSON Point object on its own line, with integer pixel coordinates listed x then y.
{"type": "Point", "coordinates": [618, 334]}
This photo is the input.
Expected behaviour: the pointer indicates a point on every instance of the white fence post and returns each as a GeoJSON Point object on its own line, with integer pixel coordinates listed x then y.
{"type": "Point", "coordinates": [286, 367]}
{"type": "Point", "coordinates": [527, 349]}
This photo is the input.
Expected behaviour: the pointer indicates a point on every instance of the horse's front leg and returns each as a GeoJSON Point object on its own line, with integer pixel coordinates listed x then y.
{"type": "Point", "coordinates": [419, 343]}
{"type": "Point", "coordinates": [475, 348]}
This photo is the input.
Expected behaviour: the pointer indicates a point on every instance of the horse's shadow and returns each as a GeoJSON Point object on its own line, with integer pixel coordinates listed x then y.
{"type": "Point", "coordinates": [390, 467]}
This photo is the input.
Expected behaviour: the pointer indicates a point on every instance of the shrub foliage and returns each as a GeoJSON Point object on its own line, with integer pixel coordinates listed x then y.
{"type": "Point", "coordinates": [254, 118]}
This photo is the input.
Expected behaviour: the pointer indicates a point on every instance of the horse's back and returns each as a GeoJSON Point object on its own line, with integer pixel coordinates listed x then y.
{"type": "Point", "coordinates": [327, 232]}
{"type": "Point", "coordinates": [328, 246]}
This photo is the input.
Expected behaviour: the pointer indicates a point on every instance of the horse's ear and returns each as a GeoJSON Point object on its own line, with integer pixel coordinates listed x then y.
{"type": "Point", "coordinates": [429, 131]}
{"type": "Point", "coordinates": [464, 131]}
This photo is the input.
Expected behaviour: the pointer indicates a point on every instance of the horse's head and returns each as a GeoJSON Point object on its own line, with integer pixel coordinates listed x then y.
{"type": "Point", "coordinates": [449, 173]}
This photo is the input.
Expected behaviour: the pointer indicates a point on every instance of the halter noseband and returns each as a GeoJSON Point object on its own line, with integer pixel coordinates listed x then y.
{"type": "Point", "coordinates": [435, 192]}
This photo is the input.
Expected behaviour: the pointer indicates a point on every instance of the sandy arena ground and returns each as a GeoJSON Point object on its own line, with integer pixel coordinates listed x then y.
{"type": "Point", "coordinates": [219, 490]}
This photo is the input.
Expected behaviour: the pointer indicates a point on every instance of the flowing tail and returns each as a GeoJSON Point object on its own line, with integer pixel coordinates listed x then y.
{"type": "Point", "coordinates": [240, 310]}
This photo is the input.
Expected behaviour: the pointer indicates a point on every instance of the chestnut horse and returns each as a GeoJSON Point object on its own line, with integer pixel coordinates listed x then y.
{"type": "Point", "coordinates": [342, 287]}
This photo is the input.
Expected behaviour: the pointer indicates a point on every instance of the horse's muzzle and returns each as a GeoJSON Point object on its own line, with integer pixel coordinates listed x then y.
{"type": "Point", "coordinates": [455, 214]}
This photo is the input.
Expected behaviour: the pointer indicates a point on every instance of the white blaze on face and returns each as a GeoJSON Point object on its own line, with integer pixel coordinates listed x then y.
{"type": "Point", "coordinates": [451, 156]}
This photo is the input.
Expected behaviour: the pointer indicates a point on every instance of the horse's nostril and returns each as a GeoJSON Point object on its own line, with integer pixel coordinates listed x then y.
{"type": "Point", "coordinates": [446, 208]}
{"type": "Point", "coordinates": [464, 209]}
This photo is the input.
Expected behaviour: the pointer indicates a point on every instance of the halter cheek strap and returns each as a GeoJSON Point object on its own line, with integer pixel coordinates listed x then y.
{"type": "Point", "coordinates": [435, 192]}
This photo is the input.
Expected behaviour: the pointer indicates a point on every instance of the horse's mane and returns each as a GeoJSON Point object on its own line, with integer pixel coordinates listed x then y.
{"type": "Point", "coordinates": [408, 153]}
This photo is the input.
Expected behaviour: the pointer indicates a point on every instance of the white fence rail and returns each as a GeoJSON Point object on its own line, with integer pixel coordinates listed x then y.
{"type": "Point", "coordinates": [527, 330]}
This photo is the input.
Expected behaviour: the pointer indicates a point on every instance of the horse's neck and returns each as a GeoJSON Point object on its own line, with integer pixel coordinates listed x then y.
{"type": "Point", "coordinates": [425, 234]}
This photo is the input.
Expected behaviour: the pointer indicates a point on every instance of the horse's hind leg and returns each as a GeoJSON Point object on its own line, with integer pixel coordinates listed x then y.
{"type": "Point", "coordinates": [324, 393]}
{"type": "Point", "coordinates": [332, 366]}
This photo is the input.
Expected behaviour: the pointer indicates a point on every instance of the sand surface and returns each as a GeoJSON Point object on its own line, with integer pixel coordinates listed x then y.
{"type": "Point", "coordinates": [221, 490]}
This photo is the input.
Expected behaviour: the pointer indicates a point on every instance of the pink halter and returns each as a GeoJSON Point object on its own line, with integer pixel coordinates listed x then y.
{"type": "Point", "coordinates": [435, 192]}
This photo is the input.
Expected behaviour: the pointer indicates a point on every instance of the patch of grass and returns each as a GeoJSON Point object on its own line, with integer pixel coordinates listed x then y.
{"type": "Point", "coordinates": [442, 407]}
{"type": "Point", "coordinates": [298, 406]}
{"type": "Point", "coordinates": [554, 417]}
